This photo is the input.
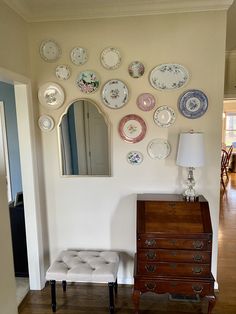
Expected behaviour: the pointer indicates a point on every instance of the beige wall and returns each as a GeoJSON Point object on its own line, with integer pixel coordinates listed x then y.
{"type": "Point", "coordinates": [14, 52]}
{"type": "Point", "coordinates": [86, 212]}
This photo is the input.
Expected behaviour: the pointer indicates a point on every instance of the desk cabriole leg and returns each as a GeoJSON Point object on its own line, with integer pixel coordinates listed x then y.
{"type": "Point", "coordinates": [136, 298]}
{"type": "Point", "coordinates": [212, 301]}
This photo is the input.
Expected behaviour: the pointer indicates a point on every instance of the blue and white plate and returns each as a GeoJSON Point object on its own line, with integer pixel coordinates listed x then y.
{"type": "Point", "coordinates": [193, 104]}
{"type": "Point", "coordinates": [134, 158]}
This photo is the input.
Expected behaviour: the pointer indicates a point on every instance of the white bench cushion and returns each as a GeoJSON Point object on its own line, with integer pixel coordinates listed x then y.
{"type": "Point", "coordinates": [84, 266]}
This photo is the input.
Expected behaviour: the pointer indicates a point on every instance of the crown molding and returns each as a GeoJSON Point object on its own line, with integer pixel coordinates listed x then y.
{"type": "Point", "coordinates": [46, 10]}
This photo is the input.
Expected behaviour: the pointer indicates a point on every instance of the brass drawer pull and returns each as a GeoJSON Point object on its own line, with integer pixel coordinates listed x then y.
{"type": "Point", "coordinates": [197, 258]}
{"type": "Point", "coordinates": [197, 270]}
{"type": "Point", "coordinates": [197, 288]}
{"type": "Point", "coordinates": [150, 286]}
{"type": "Point", "coordinates": [150, 268]}
{"type": "Point", "coordinates": [151, 255]}
{"type": "Point", "coordinates": [198, 244]}
{"type": "Point", "coordinates": [150, 242]}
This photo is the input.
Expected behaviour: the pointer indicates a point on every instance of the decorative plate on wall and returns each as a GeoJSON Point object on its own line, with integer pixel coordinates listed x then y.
{"type": "Point", "coordinates": [49, 50]}
{"type": "Point", "coordinates": [51, 95]}
{"type": "Point", "coordinates": [115, 94]}
{"type": "Point", "coordinates": [136, 69]}
{"type": "Point", "coordinates": [88, 82]}
{"type": "Point", "coordinates": [46, 123]}
{"type": "Point", "coordinates": [164, 116]}
{"type": "Point", "coordinates": [193, 103]}
{"type": "Point", "coordinates": [146, 101]}
{"type": "Point", "coordinates": [134, 158]}
{"type": "Point", "coordinates": [158, 148]}
{"type": "Point", "coordinates": [79, 55]}
{"type": "Point", "coordinates": [63, 72]}
{"type": "Point", "coordinates": [111, 58]}
{"type": "Point", "coordinates": [132, 128]}
{"type": "Point", "coordinates": [169, 76]}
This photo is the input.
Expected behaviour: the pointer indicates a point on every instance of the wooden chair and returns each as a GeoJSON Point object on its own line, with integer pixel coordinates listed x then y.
{"type": "Point", "coordinates": [224, 163]}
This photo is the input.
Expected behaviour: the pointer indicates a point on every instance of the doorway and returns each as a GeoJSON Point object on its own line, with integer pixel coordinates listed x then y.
{"type": "Point", "coordinates": [29, 170]}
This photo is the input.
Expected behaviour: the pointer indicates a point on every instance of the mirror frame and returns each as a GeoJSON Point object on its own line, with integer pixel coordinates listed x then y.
{"type": "Point", "coordinates": [109, 140]}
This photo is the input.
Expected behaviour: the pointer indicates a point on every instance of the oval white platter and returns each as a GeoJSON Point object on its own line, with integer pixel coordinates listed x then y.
{"type": "Point", "coordinates": [49, 50]}
{"type": "Point", "coordinates": [51, 95]}
{"type": "Point", "coordinates": [63, 72]}
{"type": "Point", "coordinates": [111, 58]}
{"type": "Point", "coordinates": [136, 69]}
{"type": "Point", "coordinates": [46, 123]}
{"type": "Point", "coordinates": [146, 101]}
{"type": "Point", "coordinates": [158, 148]}
{"type": "Point", "coordinates": [193, 103]}
{"type": "Point", "coordinates": [88, 82]}
{"type": "Point", "coordinates": [115, 94]}
{"type": "Point", "coordinates": [169, 76]}
{"type": "Point", "coordinates": [164, 116]}
{"type": "Point", "coordinates": [135, 158]}
{"type": "Point", "coordinates": [79, 55]}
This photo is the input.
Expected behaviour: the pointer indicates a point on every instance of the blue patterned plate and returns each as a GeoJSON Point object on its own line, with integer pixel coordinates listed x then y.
{"type": "Point", "coordinates": [134, 158]}
{"type": "Point", "coordinates": [193, 104]}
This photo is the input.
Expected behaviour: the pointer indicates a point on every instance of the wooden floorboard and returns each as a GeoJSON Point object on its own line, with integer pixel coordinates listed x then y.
{"type": "Point", "coordinates": [88, 299]}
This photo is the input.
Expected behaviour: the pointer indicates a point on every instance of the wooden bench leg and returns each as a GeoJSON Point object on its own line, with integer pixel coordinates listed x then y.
{"type": "Point", "coordinates": [53, 294]}
{"type": "Point", "coordinates": [64, 285]}
{"type": "Point", "coordinates": [111, 297]}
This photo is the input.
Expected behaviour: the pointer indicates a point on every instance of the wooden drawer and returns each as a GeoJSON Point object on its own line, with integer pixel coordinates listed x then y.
{"type": "Point", "coordinates": [163, 255]}
{"type": "Point", "coordinates": [184, 287]}
{"type": "Point", "coordinates": [173, 269]}
{"type": "Point", "coordinates": [173, 243]}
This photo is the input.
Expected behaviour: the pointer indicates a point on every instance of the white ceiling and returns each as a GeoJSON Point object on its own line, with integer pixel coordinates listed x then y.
{"type": "Point", "coordinates": [52, 10]}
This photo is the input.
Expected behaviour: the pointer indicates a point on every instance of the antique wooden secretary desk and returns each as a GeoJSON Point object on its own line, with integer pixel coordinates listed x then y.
{"type": "Point", "coordinates": [174, 247]}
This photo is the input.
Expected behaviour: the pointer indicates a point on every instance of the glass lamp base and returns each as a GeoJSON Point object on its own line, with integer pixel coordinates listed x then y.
{"type": "Point", "coordinates": [190, 193]}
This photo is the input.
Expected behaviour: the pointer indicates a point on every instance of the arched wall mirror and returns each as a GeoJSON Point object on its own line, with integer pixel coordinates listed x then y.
{"type": "Point", "coordinates": [84, 136]}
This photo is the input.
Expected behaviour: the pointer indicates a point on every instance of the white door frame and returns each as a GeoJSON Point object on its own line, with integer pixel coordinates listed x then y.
{"type": "Point", "coordinates": [30, 174]}
{"type": "Point", "coordinates": [5, 147]}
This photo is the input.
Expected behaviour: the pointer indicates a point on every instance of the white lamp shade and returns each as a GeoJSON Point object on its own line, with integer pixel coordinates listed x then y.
{"type": "Point", "coordinates": [191, 150]}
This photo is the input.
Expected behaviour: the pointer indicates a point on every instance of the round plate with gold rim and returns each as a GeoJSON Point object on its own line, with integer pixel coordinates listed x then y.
{"type": "Point", "coordinates": [49, 50]}
{"type": "Point", "coordinates": [51, 95]}
{"type": "Point", "coordinates": [46, 123]}
{"type": "Point", "coordinates": [111, 58]}
{"type": "Point", "coordinates": [164, 116]}
{"type": "Point", "coordinates": [132, 128]}
{"type": "Point", "coordinates": [158, 148]}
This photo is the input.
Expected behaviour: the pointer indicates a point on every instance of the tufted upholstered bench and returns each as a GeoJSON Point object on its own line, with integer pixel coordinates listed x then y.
{"type": "Point", "coordinates": [84, 266]}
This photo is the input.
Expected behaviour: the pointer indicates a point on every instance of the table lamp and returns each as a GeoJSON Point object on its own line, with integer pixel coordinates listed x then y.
{"type": "Point", "coordinates": [191, 155]}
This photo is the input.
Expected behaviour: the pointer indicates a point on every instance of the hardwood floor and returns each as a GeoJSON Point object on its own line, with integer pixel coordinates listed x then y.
{"type": "Point", "coordinates": [90, 299]}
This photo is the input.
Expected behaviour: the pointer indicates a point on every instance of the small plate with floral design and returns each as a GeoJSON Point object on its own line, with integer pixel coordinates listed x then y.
{"type": "Point", "coordinates": [63, 72]}
{"type": "Point", "coordinates": [146, 101]}
{"type": "Point", "coordinates": [136, 69]}
{"type": "Point", "coordinates": [79, 55]}
{"type": "Point", "coordinates": [111, 58]}
{"type": "Point", "coordinates": [46, 123]}
{"type": "Point", "coordinates": [134, 158]}
{"type": "Point", "coordinates": [88, 82]}
{"type": "Point", "coordinates": [51, 95]}
{"type": "Point", "coordinates": [132, 128]}
{"type": "Point", "coordinates": [115, 94]}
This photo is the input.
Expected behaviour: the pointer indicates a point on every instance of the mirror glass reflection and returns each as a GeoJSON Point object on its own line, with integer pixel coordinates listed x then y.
{"type": "Point", "coordinates": [83, 137]}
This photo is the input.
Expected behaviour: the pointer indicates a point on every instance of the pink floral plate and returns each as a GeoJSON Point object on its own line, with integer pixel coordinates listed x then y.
{"type": "Point", "coordinates": [88, 82]}
{"type": "Point", "coordinates": [146, 101]}
{"type": "Point", "coordinates": [132, 128]}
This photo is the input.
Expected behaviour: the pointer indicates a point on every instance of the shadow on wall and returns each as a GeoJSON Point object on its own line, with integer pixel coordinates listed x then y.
{"type": "Point", "coordinates": [123, 236]}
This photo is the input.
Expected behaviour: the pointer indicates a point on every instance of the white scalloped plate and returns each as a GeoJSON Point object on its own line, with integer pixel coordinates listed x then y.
{"type": "Point", "coordinates": [111, 58]}
{"type": "Point", "coordinates": [46, 123]}
{"type": "Point", "coordinates": [164, 116]}
{"type": "Point", "coordinates": [49, 50]}
{"type": "Point", "coordinates": [158, 148]}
